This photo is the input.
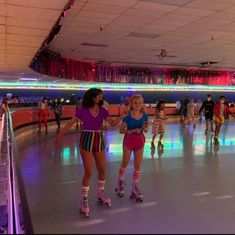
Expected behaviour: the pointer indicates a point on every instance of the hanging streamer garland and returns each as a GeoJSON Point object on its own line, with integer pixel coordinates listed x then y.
{"type": "Point", "coordinates": [53, 64]}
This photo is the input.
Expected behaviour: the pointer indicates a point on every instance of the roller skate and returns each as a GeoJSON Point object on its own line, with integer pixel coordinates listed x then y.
{"type": "Point", "coordinates": [212, 132]}
{"type": "Point", "coordinates": [120, 188]}
{"type": "Point", "coordinates": [136, 193]}
{"type": "Point", "coordinates": [160, 145]}
{"type": "Point", "coordinates": [84, 208]}
{"type": "Point", "coordinates": [102, 199]}
{"type": "Point", "coordinates": [216, 141]}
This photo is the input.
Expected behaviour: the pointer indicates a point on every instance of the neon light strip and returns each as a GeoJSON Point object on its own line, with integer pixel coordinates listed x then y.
{"type": "Point", "coordinates": [112, 86]}
{"type": "Point", "coordinates": [28, 79]}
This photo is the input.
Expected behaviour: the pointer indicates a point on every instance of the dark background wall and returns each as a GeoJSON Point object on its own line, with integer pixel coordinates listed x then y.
{"type": "Point", "coordinates": [117, 97]}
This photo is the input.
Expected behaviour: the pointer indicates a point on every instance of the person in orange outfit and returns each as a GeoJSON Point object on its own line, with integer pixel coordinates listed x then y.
{"type": "Point", "coordinates": [220, 109]}
{"type": "Point", "coordinates": [42, 114]}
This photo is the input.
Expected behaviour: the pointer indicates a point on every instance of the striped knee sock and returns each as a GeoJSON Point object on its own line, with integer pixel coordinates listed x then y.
{"type": "Point", "coordinates": [136, 177]}
{"type": "Point", "coordinates": [85, 190]}
{"type": "Point", "coordinates": [101, 185]}
{"type": "Point", "coordinates": [122, 172]}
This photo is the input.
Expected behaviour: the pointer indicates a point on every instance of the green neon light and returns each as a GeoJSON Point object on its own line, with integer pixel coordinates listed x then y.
{"type": "Point", "coordinates": [66, 152]}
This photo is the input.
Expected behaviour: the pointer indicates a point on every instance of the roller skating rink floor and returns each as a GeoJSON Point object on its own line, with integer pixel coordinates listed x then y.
{"type": "Point", "coordinates": [189, 187]}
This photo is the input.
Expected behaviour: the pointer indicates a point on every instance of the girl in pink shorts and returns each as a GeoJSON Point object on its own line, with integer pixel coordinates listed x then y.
{"type": "Point", "coordinates": [133, 127]}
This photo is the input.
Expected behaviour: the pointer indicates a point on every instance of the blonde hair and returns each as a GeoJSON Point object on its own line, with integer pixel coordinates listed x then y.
{"type": "Point", "coordinates": [136, 97]}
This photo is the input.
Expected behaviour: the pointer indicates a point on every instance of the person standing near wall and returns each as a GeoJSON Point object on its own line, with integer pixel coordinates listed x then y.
{"type": "Point", "coordinates": [220, 109]}
{"type": "Point", "coordinates": [208, 107]}
{"type": "Point", "coordinates": [57, 109]}
{"type": "Point", "coordinates": [4, 106]}
{"type": "Point", "coordinates": [42, 115]}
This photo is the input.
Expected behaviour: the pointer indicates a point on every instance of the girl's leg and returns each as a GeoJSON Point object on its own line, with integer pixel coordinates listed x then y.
{"type": "Point", "coordinates": [45, 120]}
{"type": "Point", "coordinates": [138, 158]}
{"type": "Point", "coordinates": [161, 138]}
{"type": "Point", "coordinates": [100, 165]}
{"type": "Point", "coordinates": [212, 126]}
{"type": "Point", "coordinates": [122, 170]}
{"type": "Point", "coordinates": [126, 157]}
{"type": "Point", "coordinates": [153, 139]}
{"type": "Point", "coordinates": [87, 158]}
{"type": "Point", "coordinates": [125, 160]}
{"type": "Point", "coordinates": [39, 121]}
{"type": "Point", "coordinates": [57, 119]}
{"type": "Point", "coordinates": [207, 125]}
{"type": "Point", "coordinates": [194, 123]}
{"type": "Point", "coordinates": [217, 129]}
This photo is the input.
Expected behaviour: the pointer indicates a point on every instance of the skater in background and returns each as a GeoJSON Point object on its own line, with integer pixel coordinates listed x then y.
{"type": "Point", "coordinates": [220, 109]}
{"type": "Point", "coordinates": [42, 114]}
{"type": "Point", "coordinates": [133, 127]}
{"type": "Point", "coordinates": [92, 144]}
{"type": "Point", "coordinates": [208, 107]}
{"type": "Point", "coordinates": [57, 109]}
{"type": "Point", "coordinates": [184, 110]}
{"type": "Point", "coordinates": [191, 110]}
{"type": "Point", "coordinates": [4, 106]}
{"type": "Point", "coordinates": [159, 124]}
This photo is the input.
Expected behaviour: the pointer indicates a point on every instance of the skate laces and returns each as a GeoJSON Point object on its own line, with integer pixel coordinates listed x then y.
{"type": "Point", "coordinates": [121, 185]}
{"type": "Point", "coordinates": [101, 193]}
{"type": "Point", "coordinates": [137, 190]}
{"type": "Point", "coordinates": [85, 202]}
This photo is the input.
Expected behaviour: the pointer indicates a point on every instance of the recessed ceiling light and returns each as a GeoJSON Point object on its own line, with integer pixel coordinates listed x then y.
{"type": "Point", "coordinates": [143, 35]}
{"type": "Point", "coordinates": [93, 44]}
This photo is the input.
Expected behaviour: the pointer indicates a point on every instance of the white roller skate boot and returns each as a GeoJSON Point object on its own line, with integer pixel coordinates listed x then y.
{"type": "Point", "coordinates": [84, 207]}
{"type": "Point", "coordinates": [160, 145]}
{"type": "Point", "coordinates": [216, 141]}
{"type": "Point", "coordinates": [102, 199]}
{"type": "Point", "coordinates": [120, 188]}
{"type": "Point", "coordinates": [136, 194]}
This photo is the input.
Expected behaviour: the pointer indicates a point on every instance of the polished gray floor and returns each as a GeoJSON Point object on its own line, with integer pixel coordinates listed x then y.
{"type": "Point", "coordinates": [189, 188]}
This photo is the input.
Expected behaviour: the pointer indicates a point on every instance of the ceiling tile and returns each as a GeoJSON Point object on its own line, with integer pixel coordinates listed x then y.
{"type": "Point", "coordinates": [33, 23]}
{"type": "Point", "coordinates": [52, 4]}
{"type": "Point", "coordinates": [209, 5]}
{"type": "Point", "coordinates": [27, 31]}
{"type": "Point", "coordinates": [155, 6]}
{"type": "Point", "coordinates": [123, 3]}
{"type": "Point", "coordinates": [169, 2]}
{"type": "Point", "coordinates": [32, 13]}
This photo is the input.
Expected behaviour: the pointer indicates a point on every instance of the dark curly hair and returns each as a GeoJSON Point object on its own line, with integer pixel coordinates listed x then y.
{"type": "Point", "coordinates": [89, 95]}
{"type": "Point", "coordinates": [159, 103]}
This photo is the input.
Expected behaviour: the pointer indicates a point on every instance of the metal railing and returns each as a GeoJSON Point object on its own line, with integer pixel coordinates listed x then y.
{"type": "Point", "coordinates": [19, 219]}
